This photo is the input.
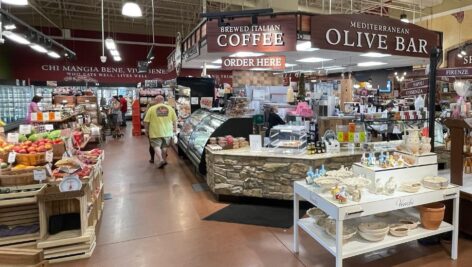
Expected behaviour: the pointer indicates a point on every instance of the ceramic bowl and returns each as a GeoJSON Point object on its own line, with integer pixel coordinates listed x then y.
{"type": "Point", "coordinates": [399, 230]}
{"type": "Point", "coordinates": [323, 221]}
{"type": "Point", "coordinates": [327, 183]}
{"type": "Point", "coordinates": [373, 237]}
{"type": "Point", "coordinates": [410, 223]}
{"type": "Point", "coordinates": [374, 227]}
{"type": "Point", "coordinates": [316, 213]}
{"type": "Point", "coordinates": [410, 187]}
{"type": "Point", "coordinates": [352, 182]}
{"type": "Point", "coordinates": [435, 182]}
{"type": "Point", "coordinates": [348, 231]}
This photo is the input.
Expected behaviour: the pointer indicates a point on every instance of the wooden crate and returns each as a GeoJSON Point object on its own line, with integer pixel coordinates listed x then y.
{"type": "Point", "coordinates": [20, 257]}
{"type": "Point", "coordinates": [71, 100]}
{"type": "Point", "coordinates": [86, 100]}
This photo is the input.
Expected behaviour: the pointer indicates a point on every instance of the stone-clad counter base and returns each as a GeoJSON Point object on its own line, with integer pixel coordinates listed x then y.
{"type": "Point", "coordinates": [269, 176]}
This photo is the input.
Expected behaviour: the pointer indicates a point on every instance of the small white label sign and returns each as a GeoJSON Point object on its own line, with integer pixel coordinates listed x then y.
{"type": "Point", "coordinates": [255, 142]}
{"type": "Point", "coordinates": [45, 116]}
{"type": "Point", "coordinates": [34, 116]}
{"type": "Point", "coordinates": [11, 157]}
{"type": "Point", "coordinates": [48, 127]}
{"type": "Point", "coordinates": [13, 138]}
{"type": "Point", "coordinates": [49, 156]}
{"type": "Point", "coordinates": [39, 175]}
{"type": "Point", "coordinates": [25, 129]}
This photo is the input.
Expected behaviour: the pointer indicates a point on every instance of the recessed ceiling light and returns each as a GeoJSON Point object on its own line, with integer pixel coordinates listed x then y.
{"type": "Point", "coordinates": [306, 47]}
{"type": "Point", "coordinates": [375, 54]}
{"type": "Point", "coordinates": [131, 9]}
{"type": "Point", "coordinates": [16, 37]}
{"type": "Point", "coordinates": [209, 66]}
{"type": "Point", "coordinates": [288, 65]}
{"type": "Point", "coordinates": [16, 2]}
{"type": "Point", "coordinates": [246, 54]}
{"type": "Point", "coordinates": [38, 48]}
{"type": "Point", "coordinates": [370, 64]}
{"type": "Point", "coordinates": [313, 59]}
{"type": "Point", "coordinates": [218, 61]}
{"type": "Point", "coordinates": [53, 54]}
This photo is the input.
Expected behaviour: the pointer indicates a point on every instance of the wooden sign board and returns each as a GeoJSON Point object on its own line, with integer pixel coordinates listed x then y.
{"type": "Point", "coordinates": [269, 34]}
{"type": "Point", "coordinates": [369, 33]}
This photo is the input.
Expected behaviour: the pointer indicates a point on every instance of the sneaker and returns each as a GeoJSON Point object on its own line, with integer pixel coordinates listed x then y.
{"type": "Point", "coordinates": [151, 161]}
{"type": "Point", "coordinates": [165, 163]}
{"type": "Point", "coordinates": [161, 165]}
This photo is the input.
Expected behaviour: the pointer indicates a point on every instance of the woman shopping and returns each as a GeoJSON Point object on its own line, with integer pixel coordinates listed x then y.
{"type": "Point", "coordinates": [116, 118]}
{"type": "Point", "coordinates": [33, 107]}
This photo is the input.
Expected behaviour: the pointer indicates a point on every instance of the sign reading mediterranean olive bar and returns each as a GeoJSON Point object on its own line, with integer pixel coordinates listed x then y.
{"type": "Point", "coordinates": [368, 33]}
{"type": "Point", "coordinates": [245, 63]}
{"type": "Point", "coordinates": [270, 34]}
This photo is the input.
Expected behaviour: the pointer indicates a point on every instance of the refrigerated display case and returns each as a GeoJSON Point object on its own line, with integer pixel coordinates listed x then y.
{"type": "Point", "coordinates": [203, 124]}
{"type": "Point", "coordinates": [46, 94]}
{"type": "Point", "coordinates": [14, 101]}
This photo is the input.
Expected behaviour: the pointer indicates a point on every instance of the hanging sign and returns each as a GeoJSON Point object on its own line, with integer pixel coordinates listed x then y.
{"type": "Point", "coordinates": [454, 72]}
{"type": "Point", "coordinates": [369, 33]}
{"type": "Point", "coordinates": [247, 63]}
{"type": "Point", "coordinates": [414, 88]}
{"type": "Point", "coordinates": [269, 34]}
{"type": "Point", "coordinates": [453, 59]}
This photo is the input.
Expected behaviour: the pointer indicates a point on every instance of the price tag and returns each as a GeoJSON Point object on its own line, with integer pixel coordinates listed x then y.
{"type": "Point", "coordinates": [57, 116]}
{"type": "Point", "coordinates": [13, 138]}
{"type": "Point", "coordinates": [11, 157]}
{"type": "Point", "coordinates": [34, 116]}
{"type": "Point", "coordinates": [49, 156]}
{"type": "Point", "coordinates": [25, 129]}
{"type": "Point", "coordinates": [39, 175]}
{"type": "Point", "coordinates": [65, 155]}
{"type": "Point", "coordinates": [340, 136]}
{"type": "Point", "coordinates": [48, 169]}
{"type": "Point", "coordinates": [48, 127]}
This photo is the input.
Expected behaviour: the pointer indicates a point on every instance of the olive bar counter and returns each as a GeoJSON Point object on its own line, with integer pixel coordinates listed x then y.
{"type": "Point", "coordinates": [265, 174]}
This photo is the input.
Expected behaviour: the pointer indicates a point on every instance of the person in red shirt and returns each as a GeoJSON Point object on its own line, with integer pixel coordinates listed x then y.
{"type": "Point", "coordinates": [124, 109]}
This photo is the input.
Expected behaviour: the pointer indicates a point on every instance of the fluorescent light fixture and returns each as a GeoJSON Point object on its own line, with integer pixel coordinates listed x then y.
{"type": "Point", "coordinates": [9, 26]}
{"type": "Point", "coordinates": [209, 66]}
{"type": "Point", "coordinates": [53, 54]}
{"type": "Point", "coordinates": [404, 18]}
{"type": "Point", "coordinates": [313, 59]}
{"type": "Point", "coordinates": [16, 37]}
{"type": "Point", "coordinates": [306, 47]}
{"type": "Point", "coordinates": [370, 64]}
{"type": "Point", "coordinates": [110, 44]}
{"type": "Point", "coordinates": [117, 58]}
{"type": "Point", "coordinates": [38, 48]}
{"type": "Point", "coordinates": [218, 61]}
{"type": "Point", "coordinates": [374, 54]}
{"type": "Point", "coordinates": [334, 68]}
{"type": "Point", "coordinates": [131, 9]}
{"type": "Point", "coordinates": [114, 53]}
{"type": "Point", "coordinates": [16, 2]}
{"type": "Point", "coordinates": [288, 65]}
{"type": "Point", "coordinates": [246, 54]}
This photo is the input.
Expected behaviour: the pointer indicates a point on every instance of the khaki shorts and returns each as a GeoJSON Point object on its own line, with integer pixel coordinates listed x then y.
{"type": "Point", "coordinates": [161, 142]}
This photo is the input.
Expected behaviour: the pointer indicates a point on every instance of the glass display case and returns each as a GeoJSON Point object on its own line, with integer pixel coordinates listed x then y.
{"type": "Point", "coordinates": [288, 139]}
{"type": "Point", "coordinates": [190, 125]}
{"type": "Point", "coordinates": [203, 131]}
{"type": "Point", "coordinates": [14, 101]}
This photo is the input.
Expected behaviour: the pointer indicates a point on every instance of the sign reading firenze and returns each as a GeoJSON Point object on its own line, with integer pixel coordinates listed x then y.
{"type": "Point", "coordinates": [368, 33]}
{"type": "Point", "coordinates": [277, 34]}
{"type": "Point", "coordinates": [247, 63]}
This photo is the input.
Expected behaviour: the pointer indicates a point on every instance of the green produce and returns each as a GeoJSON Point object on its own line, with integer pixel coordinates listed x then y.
{"type": "Point", "coordinates": [33, 137]}
{"type": "Point", "coordinates": [3, 165]}
{"type": "Point", "coordinates": [22, 138]}
{"type": "Point", "coordinates": [54, 134]}
{"type": "Point", "coordinates": [44, 135]}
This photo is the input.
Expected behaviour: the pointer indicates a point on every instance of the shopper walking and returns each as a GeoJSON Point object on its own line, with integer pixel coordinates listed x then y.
{"type": "Point", "coordinates": [152, 153]}
{"type": "Point", "coordinates": [116, 116]}
{"type": "Point", "coordinates": [160, 123]}
{"type": "Point", "coordinates": [33, 107]}
{"type": "Point", "coordinates": [124, 109]}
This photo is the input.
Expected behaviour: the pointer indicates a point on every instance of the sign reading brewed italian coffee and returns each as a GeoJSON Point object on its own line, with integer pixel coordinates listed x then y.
{"type": "Point", "coordinates": [368, 33]}
{"type": "Point", "coordinates": [245, 63]}
{"type": "Point", "coordinates": [414, 88]}
{"type": "Point", "coordinates": [270, 34]}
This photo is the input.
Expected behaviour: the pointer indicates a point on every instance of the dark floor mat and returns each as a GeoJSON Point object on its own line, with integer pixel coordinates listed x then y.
{"type": "Point", "coordinates": [270, 216]}
{"type": "Point", "coordinates": [200, 187]}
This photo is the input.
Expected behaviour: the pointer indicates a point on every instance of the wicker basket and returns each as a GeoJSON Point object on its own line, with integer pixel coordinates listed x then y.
{"type": "Point", "coordinates": [10, 177]}
{"type": "Point", "coordinates": [31, 159]}
{"type": "Point", "coordinates": [4, 156]}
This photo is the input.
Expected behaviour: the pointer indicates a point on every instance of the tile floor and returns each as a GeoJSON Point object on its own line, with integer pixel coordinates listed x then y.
{"type": "Point", "coordinates": [154, 219]}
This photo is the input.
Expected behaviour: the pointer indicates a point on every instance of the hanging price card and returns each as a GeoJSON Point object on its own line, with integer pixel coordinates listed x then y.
{"type": "Point", "coordinates": [45, 116]}
{"type": "Point", "coordinates": [49, 156]}
{"type": "Point", "coordinates": [34, 116]}
{"type": "Point", "coordinates": [39, 175]}
{"type": "Point", "coordinates": [57, 116]}
{"type": "Point", "coordinates": [25, 129]}
{"type": "Point", "coordinates": [48, 169]}
{"type": "Point", "coordinates": [11, 157]}
{"type": "Point", "coordinates": [48, 127]}
{"type": "Point", "coordinates": [13, 138]}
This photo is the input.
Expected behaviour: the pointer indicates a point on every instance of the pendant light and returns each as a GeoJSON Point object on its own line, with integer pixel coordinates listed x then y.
{"type": "Point", "coordinates": [16, 2]}
{"type": "Point", "coordinates": [19, 38]}
{"type": "Point", "coordinates": [404, 18]}
{"type": "Point", "coordinates": [131, 9]}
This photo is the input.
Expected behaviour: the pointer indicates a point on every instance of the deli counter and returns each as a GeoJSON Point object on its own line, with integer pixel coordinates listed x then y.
{"type": "Point", "coordinates": [203, 124]}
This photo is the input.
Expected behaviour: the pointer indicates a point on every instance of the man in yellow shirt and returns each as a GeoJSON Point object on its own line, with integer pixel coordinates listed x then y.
{"type": "Point", "coordinates": [160, 123]}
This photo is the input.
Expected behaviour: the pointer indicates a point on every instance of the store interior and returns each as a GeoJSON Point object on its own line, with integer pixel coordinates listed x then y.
{"type": "Point", "coordinates": [322, 133]}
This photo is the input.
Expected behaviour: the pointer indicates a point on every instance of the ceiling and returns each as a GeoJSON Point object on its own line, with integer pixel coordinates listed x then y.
{"type": "Point", "coordinates": [173, 16]}
{"type": "Point", "coordinates": [347, 60]}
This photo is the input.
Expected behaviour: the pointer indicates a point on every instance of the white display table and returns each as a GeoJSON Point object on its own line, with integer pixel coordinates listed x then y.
{"type": "Point", "coordinates": [370, 204]}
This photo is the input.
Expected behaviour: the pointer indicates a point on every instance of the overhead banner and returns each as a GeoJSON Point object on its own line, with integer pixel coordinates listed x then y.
{"type": "Point", "coordinates": [369, 33]}
{"type": "Point", "coordinates": [247, 63]}
{"type": "Point", "coordinates": [414, 88]}
{"type": "Point", "coordinates": [453, 60]}
{"type": "Point", "coordinates": [269, 34]}
{"type": "Point", "coordinates": [454, 72]}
